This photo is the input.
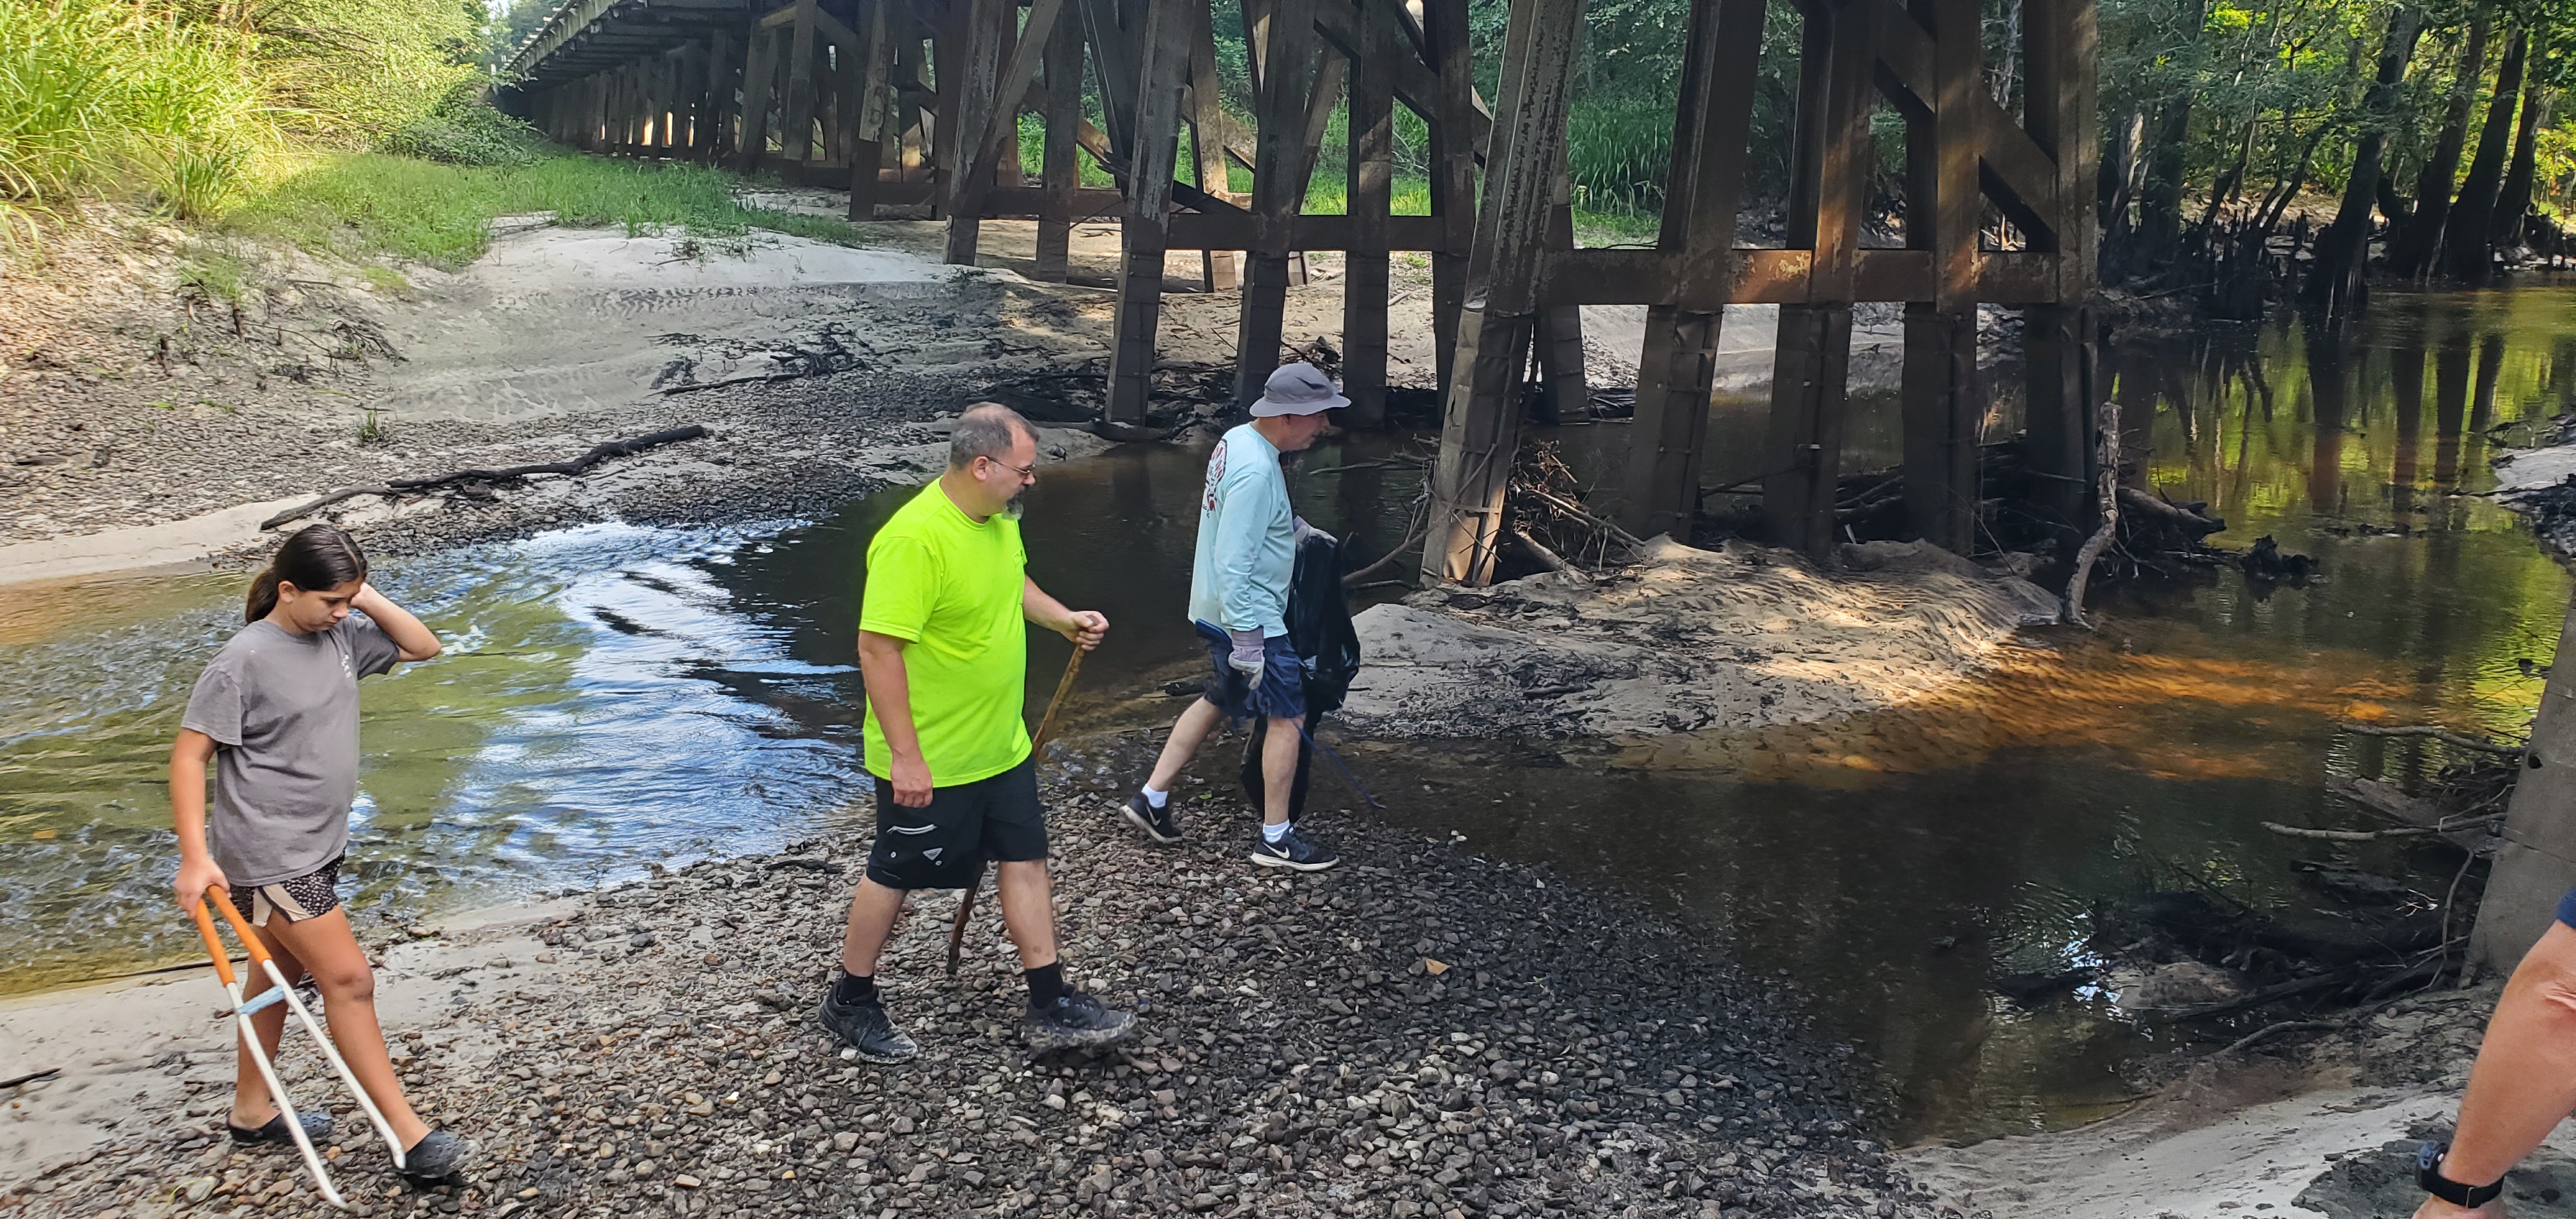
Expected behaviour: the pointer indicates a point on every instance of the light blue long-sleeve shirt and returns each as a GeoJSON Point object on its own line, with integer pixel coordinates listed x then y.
{"type": "Point", "coordinates": [1247, 545]}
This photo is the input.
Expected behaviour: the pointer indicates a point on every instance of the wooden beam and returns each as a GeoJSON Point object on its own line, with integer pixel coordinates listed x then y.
{"type": "Point", "coordinates": [1480, 433]}
{"type": "Point", "coordinates": [1113, 57]}
{"type": "Point", "coordinates": [1370, 191]}
{"type": "Point", "coordinates": [1059, 174]}
{"type": "Point", "coordinates": [1454, 153]}
{"type": "Point", "coordinates": [796, 132]}
{"type": "Point", "coordinates": [1220, 270]}
{"type": "Point", "coordinates": [978, 109]}
{"type": "Point", "coordinates": [1278, 187]}
{"type": "Point", "coordinates": [1808, 380]}
{"type": "Point", "coordinates": [1940, 396]}
{"type": "Point", "coordinates": [758, 71]}
{"type": "Point", "coordinates": [1162, 64]}
{"type": "Point", "coordinates": [1345, 27]}
{"type": "Point", "coordinates": [1677, 372]}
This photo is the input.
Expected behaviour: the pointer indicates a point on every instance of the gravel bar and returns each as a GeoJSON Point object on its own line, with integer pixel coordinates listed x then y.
{"type": "Point", "coordinates": [1420, 1032]}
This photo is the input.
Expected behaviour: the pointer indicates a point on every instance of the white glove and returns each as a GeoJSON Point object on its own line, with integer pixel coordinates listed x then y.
{"type": "Point", "coordinates": [1304, 531]}
{"type": "Point", "coordinates": [1247, 656]}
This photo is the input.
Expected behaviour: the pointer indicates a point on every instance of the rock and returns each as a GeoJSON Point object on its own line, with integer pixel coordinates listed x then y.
{"type": "Point", "coordinates": [196, 1189]}
{"type": "Point", "coordinates": [2179, 984]}
{"type": "Point", "coordinates": [641, 939]}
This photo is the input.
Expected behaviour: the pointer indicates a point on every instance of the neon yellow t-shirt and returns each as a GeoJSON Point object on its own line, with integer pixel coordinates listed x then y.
{"type": "Point", "coordinates": [951, 589]}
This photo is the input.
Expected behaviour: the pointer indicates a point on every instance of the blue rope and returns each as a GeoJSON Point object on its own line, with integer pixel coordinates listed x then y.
{"type": "Point", "coordinates": [1353, 779]}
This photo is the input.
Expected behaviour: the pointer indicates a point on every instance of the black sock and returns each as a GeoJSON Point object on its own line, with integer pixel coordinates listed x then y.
{"type": "Point", "coordinates": [1046, 983]}
{"type": "Point", "coordinates": [855, 989]}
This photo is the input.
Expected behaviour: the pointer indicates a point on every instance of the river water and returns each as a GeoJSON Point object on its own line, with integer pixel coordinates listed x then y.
{"type": "Point", "coordinates": [616, 696]}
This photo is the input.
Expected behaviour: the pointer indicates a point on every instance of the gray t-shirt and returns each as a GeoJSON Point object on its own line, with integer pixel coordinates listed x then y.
{"type": "Point", "coordinates": [283, 710]}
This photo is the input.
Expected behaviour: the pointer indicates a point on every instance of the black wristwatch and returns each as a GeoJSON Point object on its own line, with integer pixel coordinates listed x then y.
{"type": "Point", "coordinates": [2428, 1176]}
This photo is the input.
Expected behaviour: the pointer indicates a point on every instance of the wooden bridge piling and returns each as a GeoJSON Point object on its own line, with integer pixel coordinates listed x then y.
{"type": "Point", "coordinates": [917, 104]}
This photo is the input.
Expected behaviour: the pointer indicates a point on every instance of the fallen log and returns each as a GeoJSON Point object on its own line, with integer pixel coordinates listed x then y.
{"type": "Point", "coordinates": [579, 465]}
{"type": "Point", "coordinates": [2437, 732]}
{"type": "Point", "coordinates": [2153, 509]}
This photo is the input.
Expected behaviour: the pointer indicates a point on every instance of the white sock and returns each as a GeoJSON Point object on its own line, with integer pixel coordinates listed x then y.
{"type": "Point", "coordinates": [1156, 798]}
{"type": "Point", "coordinates": [1273, 833]}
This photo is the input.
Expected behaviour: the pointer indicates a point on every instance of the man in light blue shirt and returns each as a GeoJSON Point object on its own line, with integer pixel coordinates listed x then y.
{"type": "Point", "coordinates": [1247, 554]}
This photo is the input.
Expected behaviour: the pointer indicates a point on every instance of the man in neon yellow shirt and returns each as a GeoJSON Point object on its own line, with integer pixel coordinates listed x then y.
{"type": "Point", "coordinates": [945, 659]}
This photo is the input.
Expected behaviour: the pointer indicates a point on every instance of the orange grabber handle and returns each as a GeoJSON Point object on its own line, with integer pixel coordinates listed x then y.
{"type": "Point", "coordinates": [215, 944]}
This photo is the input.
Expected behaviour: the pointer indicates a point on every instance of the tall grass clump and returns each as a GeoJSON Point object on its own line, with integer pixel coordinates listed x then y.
{"type": "Point", "coordinates": [97, 95]}
{"type": "Point", "coordinates": [184, 107]}
{"type": "Point", "coordinates": [1617, 151]}
{"type": "Point", "coordinates": [362, 206]}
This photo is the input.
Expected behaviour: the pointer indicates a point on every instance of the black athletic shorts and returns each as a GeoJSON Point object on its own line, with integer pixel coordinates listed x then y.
{"type": "Point", "coordinates": [945, 844]}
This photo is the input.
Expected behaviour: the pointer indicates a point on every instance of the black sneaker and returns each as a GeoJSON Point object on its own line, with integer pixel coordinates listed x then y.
{"type": "Point", "coordinates": [1075, 1021]}
{"type": "Point", "coordinates": [437, 1156]}
{"type": "Point", "coordinates": [1158, 823]}
{"type": "Point", "coordinates": [865, 1027]}
{"type": "Point", "coordinates": [1293, 850]}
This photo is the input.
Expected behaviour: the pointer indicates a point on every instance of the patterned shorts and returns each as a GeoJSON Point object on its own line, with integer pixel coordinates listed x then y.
{"type": "Point", "coordinates": [312, 895]}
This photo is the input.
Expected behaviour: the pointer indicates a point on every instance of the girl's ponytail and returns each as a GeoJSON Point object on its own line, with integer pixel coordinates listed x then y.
{"type": "Point", "coordinates": [263, 595]}
{"type": "Point", "coordinates": [315, 558]}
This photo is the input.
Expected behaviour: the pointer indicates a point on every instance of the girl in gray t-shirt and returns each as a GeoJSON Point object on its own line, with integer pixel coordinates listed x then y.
{"type": "Point", "coordinates": [277, 715]}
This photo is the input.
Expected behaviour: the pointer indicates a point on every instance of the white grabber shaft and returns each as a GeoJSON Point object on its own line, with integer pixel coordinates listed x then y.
{"type": "Point", "coordinates": [280, 992]}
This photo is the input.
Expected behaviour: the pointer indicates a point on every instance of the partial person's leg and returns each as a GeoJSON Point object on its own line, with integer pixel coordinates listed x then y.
{"type": "Point", "coordinates": [252, 1105]}
{"type": "Point", "coordinates": [1028, 910]}
{"type": "Point", "coordinates": [1279, 766]}
{"type": "Point", "coordinates": [1190, 732]}
{"type": "Point", "coordinates": [330, 954]}
{"type": "Point", "coordinates": [873, 909]}
{"type": "Point", "coordinates": [2524, 1082]}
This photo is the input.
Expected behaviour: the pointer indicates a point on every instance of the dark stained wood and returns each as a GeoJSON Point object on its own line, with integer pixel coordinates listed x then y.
{"type": "Point", "coordinates": [1370, 191]}
{"type": "Point", "coordinates": [1210, 133]}
{"type": "Point", "coordinates": [1278, 187]}
{"type": "Point", "coordinates": [1940, 399]}
{"type": "Point", "coordinates": [757, 77]}
{"type": "Point", "coordinates": [1480, 431]}
{"type": "Point", "coordinates": [1454, 151]}
{"type": "Point", "coordinates": [1676, 374]}
{"type": "Point", "coordinates": [1061, 176]}
{"type": "Point", "coordinates": [981, 118]}
{"type": "Point", "coordinates": [1162, 61]}
{"type": "Point", "coordinates": [796, 131]}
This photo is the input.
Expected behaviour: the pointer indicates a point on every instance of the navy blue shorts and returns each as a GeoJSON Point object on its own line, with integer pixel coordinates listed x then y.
{"type": "Point", "coordinates": [2567, 908]}
{"type": "Point", "coordinates": [1282, 692]}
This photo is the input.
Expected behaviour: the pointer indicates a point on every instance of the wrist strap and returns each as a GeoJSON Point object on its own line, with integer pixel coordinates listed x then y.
{"type": "Point", "coordinates": [2428, 1176]}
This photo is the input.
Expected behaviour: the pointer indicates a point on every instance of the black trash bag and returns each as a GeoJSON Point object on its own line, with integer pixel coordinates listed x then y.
{"type": "Point", "coordinates": [1328, 648]}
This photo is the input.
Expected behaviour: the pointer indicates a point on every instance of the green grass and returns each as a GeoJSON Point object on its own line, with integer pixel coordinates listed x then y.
{"type": "Point", "coordinates": [364, 206]}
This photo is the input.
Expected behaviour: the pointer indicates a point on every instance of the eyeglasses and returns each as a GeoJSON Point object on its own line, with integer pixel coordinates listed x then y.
{"type": "Point", "coordinates": [1028, 473]}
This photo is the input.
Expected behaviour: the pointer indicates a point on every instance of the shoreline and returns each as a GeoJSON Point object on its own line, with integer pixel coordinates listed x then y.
{"type": "Point", "coordinates": [1460, 1046]}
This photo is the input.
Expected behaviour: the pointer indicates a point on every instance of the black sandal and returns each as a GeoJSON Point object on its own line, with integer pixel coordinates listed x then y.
{"type": "Point", "coordinates": [317, 1127]}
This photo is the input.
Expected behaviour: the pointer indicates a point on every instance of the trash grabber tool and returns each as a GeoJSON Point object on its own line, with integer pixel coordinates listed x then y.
{"type": "Point", "coordinates": [1037, 749]}
{"type": "Point", "coordinates": [280, 992]}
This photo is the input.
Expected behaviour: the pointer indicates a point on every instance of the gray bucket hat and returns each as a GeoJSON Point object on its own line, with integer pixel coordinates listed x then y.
{"type": "Point", "coordinates": [1298, 389]}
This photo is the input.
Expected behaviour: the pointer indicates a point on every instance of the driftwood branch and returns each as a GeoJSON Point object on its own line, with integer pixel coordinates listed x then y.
{"type": "Point", "coordinates": [1625, 538]}
{"type": "Point", "coordinates": [582, 464]}
{"type": "Point", "coordinates": [2286, 1026]}
{"type": "Point", "coordinates": [2410, 831]}
{"type": "Point", "coordinates": [2109, 414]}
{"type": "Point", "coordinates": [2171, 515]}
{"type": "Point", "coordinates": [1546, 558]}
{"type": "Point", "coordinates": [2437, 732]}
{"type": "Point", "coordinates": [30, 1077]}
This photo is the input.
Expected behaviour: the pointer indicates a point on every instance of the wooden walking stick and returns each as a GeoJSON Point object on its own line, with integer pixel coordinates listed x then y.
{"type": "Point", "coordinates": [1037, 749]}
